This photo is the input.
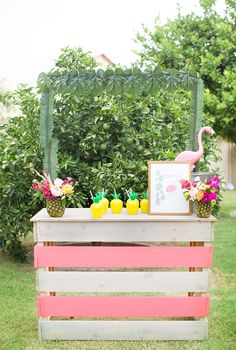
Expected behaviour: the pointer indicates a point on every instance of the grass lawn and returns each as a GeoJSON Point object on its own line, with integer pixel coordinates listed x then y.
{"type": "Point", "coordinates": [18, 322]}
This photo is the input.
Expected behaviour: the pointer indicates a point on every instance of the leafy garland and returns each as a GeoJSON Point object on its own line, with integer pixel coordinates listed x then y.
{"type": "Point", "coordinates": [48, 142]}
{"type": "Point", "coordinates": [91, 82]}
{"type": "Point", "coordinates": [118, 81]}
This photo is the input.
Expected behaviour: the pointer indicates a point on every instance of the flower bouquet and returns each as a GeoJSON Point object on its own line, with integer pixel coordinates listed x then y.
{"type": "Point", "coordinates": [204, 194]}
{"type": "Point", "coordinates": [54, 191]}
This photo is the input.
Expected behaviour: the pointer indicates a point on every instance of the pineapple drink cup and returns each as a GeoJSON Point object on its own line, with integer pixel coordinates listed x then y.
{"type": "Point", "coordinates": [116, 204]}
{"type": "Point", "coordinates": [104, 201]}
{"type": "Point", "coordinates": [96, 208]}
{"type": "Point", "coordinates": [144, 204]}
{"type": "Point", "coordinates": [132, 204]}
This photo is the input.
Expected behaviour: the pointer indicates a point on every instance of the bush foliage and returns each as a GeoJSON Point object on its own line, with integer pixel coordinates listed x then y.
{"type": "Point", "coordinates": [104, 142]}
{"type": "Point", "coordinates": [19, 154]}
{"type": "Point", "coordinates": [204, 44]}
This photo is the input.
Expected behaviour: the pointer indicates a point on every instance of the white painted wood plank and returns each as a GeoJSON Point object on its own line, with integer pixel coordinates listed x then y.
{"type": "Point", "coordinates": [123, 231]}
{"type": "Point", "coordinates": [74, 281]}
{"type": "Point", "coordinates": [123, 330]}
{"type": "Point", "coordinates": [83, 215]}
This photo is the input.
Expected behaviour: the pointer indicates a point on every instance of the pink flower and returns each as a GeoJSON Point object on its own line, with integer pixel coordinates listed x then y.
{"type": "Point", "coordinates": [185, 184]}
{"type": "Point", "coordinates": [36, 187]}
{"type": "Point", "coordinates": [52, 189]}
{"type": "Point", "coordinates": [46, 192]}
{"type": "Point", "coordinates": [57, 192]}
{"type": "Point", "coordinates": [58, 182]}
{"type": "Point", "coordinates": [193, 192]}
{"type": "Point", "coordinates": [45, 183]}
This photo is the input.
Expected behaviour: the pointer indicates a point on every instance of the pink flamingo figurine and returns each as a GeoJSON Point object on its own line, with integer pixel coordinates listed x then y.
{"type": "Point", "coordinates": [193, 157]}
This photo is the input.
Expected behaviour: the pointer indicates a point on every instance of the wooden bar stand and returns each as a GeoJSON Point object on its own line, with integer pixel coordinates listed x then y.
{"type": "Point", "coordinates": [147, 279]}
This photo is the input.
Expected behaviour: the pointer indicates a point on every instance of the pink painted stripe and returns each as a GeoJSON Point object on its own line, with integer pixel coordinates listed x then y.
{"type": "Point", "coordinates": [119, 257]}
{"type": "Point", "coordinates": [125, 306]}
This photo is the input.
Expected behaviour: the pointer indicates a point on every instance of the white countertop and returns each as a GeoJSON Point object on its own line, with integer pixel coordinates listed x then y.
{"type": "Point", "coordinates": [83, 215]}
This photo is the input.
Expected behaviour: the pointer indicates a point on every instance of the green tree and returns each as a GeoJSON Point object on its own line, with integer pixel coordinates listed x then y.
{"type": "Point", "coordinates": [19, 155]}
{"type": "Point", "coordinates": [6, 102]}
{"type": "Point", "coordinates": [5, 98]}
{"type": "Point", "coordinates": [205, 44]}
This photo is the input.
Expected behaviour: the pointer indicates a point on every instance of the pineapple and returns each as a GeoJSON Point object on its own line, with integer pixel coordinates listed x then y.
{"type": "Point", "coordinates": [203, 210]}
{"type": "Point", "coordinates": [56, 207]}
{"type": "Point", "coordinates": [132, 204]}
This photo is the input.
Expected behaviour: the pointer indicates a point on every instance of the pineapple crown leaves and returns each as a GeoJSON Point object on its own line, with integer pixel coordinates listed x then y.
{"type": "Point", "coordinates": [99, 195]}
{"type": "Point", "coordinates": [145, 195]}
{"type": "Point", "coordinates": [96, 199]}
{"type": "Point", "coordinates": [115, 195]}
{"type": "Point", "coordinates": [133, 196]}
{"type": "Point", "coordinates": [102, 194]}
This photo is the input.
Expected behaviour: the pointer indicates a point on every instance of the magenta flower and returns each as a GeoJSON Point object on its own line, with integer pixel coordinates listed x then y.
{"type": "Point", "coordinates": [46, 192]}
{"type": "Point", "coordinates": [214, 183]}
{"type": "Point", "coordinates": [52, 197]}
{"type": "Point", "coordinates": [209, 196]}
{"type": "Point", "coordinates": [71, 181]}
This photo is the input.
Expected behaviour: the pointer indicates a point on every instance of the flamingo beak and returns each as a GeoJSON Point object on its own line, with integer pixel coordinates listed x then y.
{"type": "Point", "coordinates": [212, 132]}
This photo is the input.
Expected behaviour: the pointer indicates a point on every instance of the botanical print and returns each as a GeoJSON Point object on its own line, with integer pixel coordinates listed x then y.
{"type": "Point", "coordinates": [165, 188]}
{"type": "Point", "coordinates": [160, 196]}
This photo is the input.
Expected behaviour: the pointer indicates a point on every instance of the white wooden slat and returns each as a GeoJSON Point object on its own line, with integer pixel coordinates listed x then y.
{"type": "Point", "coordinates": [123, 330]}
{"type": "Point", "coordinates": [74, 281]}
{"type": "Point", "coordinates": [84, 215]}
{"type": "Point", "coordinates": [123, 231]}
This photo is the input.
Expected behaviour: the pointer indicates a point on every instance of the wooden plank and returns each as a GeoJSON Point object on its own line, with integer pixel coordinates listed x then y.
{"type": "Point", "coordinates": [51, 269]}
{"type": "Point", "coordinates": [122, 257]}
{"type": "Point", "coordinates": [123, 231]}
{"type": "Point", "coordinates": [193, 269]}
{"type": "Point", "coordinates": [122, 306]}
{"type": "Point", "coordinates": [123, 330]}
{"type": "Point", "coordinates": [74, 281]}
{"type": "Point", "coordinates": [83, 215]}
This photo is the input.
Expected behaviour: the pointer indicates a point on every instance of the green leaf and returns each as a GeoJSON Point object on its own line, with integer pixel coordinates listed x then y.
{"type": "Point", "coordinates": [46, 118]}
{"type": "Point", "coordinates": [50, 163]}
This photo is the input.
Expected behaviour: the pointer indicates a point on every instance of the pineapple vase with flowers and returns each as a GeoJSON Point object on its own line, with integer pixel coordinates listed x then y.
{"type": "Point", "coordinates": [203, 194]}
{"type": "Point", "coordinates": [54, 192]}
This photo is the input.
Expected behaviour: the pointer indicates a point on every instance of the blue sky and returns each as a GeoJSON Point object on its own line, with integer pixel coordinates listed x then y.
{"type": "Point", "coordinates": [34, 31]}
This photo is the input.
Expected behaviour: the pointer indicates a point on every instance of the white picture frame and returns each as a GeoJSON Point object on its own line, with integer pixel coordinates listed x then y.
{"type": "Point", "coordinates": [164, 188]}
